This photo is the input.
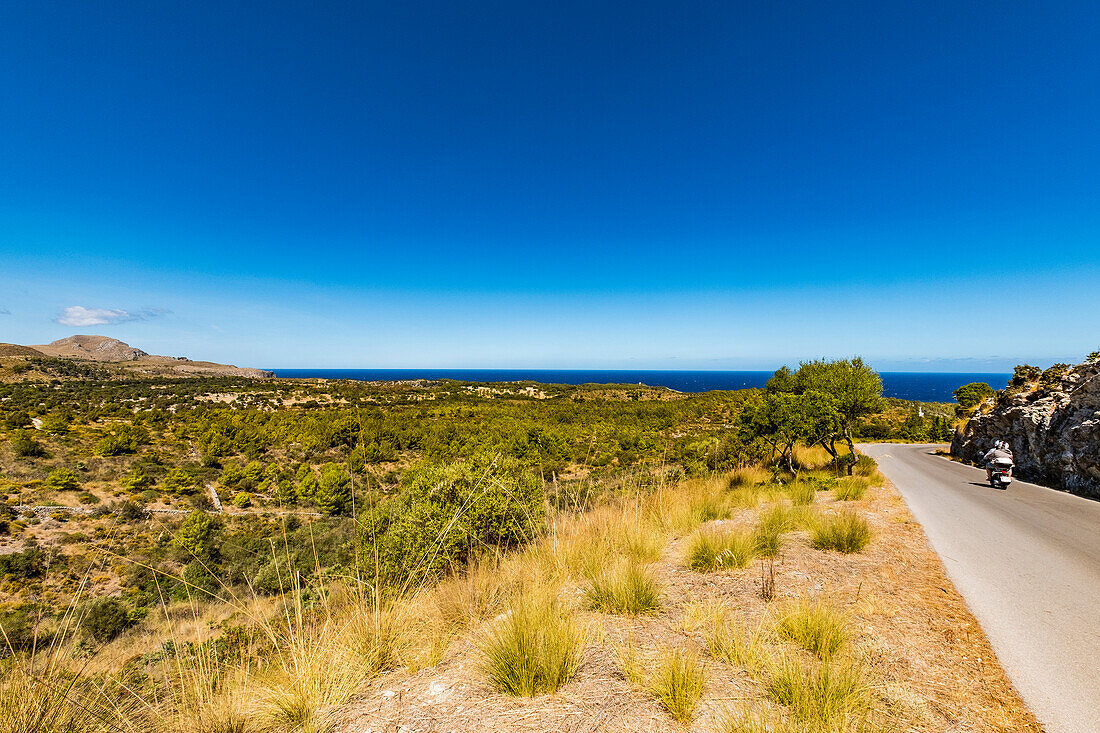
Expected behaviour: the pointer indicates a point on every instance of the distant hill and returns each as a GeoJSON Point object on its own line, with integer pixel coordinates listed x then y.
{"type": "Point", "coordinates": [96, 348]}
{"type": "Point", "coordinates": [125, 360]}
{"type": "Point", "coordinates": [17, 350]}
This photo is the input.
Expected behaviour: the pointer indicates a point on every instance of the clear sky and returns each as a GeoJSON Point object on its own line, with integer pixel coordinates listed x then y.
{"type": "Point", "coordinates": [558, 184]}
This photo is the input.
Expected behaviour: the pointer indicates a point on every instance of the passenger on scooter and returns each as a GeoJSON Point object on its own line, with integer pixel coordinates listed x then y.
{"type": "Point", "coordinates": [999, 453]}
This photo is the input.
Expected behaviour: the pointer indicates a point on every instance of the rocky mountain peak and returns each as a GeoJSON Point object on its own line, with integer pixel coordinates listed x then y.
{"type": "Point", "coordinates": [98, 348]}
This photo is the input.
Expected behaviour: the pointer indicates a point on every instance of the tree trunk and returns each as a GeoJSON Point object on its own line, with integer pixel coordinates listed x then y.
{"type": "Point", "coordinates": [852, 448]}
{"type": "Point", "coordinates": [831, 448]}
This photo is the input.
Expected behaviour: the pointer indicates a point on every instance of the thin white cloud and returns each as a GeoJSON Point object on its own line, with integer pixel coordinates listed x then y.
{"type": "Point", "coordinates": [78, 315]}
{"type": "Point", "coordinates": [5, 312]}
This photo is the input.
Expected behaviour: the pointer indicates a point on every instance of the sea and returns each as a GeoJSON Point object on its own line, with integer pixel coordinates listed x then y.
{"type": "Point", "coordinates": [919, 386]}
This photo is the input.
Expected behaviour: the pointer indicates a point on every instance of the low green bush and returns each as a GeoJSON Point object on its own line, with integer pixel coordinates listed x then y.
{"type": "Point", "coordinates": [62, 479]}
{"type": "Point", "coordinates": [105, 618]}
{"type": "Point", "coordinates": [444, 515]}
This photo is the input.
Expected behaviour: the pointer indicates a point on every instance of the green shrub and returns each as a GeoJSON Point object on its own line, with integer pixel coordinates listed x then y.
{"type": "Point", "coordinates": [195, 534]}
{"type": "Point", "coordinates": [29, 563]}
{"type": "Point", "coordinates": [971, 395]}
{"type": "Point", "coordinates": [137, 479]}
{"type": "Point", "coordinates": [845, 532]}
{"type": "Point", "coordinates": [17, 419]}
{"type": "Point", "coordinates": [25, 446]}
{"type": "Point", "coordinates": [105, 618]}
{"type": "Point", "coordinates": [22, 629]}
{"type": "Point", "coordinates": [333, 493]}
{"type": "Point", "coordinates": [126, 439]}
{"type": "Point", "coordinates": [242, 499]}
{"type": "Point", "coordinates": [1024, 374]}
{"type": "Point", "coordinates": [62, 479]}
{"type": "Point", "coordinates": [178, 482]}
{"type": "Point", "coordinates": [1052, 377]}
{"type": "Point", "coordinates": [444, 515]}
{"type": "Point", "coordinates": [55, 423]}
{"type": "Point", "coordinates": [865, 466]}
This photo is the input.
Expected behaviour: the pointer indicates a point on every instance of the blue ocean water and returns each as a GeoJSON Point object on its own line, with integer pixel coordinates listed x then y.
{"type": "Point", "coordinates": [922, 386]}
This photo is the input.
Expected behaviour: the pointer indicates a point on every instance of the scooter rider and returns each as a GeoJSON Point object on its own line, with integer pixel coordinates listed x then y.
{"type": "Point", "coordinates": [999, 452]}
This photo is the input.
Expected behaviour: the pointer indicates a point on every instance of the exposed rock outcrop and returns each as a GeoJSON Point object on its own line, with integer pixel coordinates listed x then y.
{"type": "Point", "coordinates": [96, 348]}
{"type": "Point", "coordinates": [1054, 431]}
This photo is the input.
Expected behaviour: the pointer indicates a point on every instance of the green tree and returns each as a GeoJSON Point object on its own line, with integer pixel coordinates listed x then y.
{"type": "Point", "coordinates": [62, 479]}
{"type": "Point", "coordinates": [1094, 356]}
{"type": "Point", "coordinates": [971, 395]}
{"type": "Point", "coordinates": [178, 482]}
{"type": "Point", "coordinates": [333, 494]}
{"type": "Point", "coordinates": [784, 419]}
{"type": "Point", "coordinates": [855, 387]}
{"type": "Point", "coordinates": [195, 534]}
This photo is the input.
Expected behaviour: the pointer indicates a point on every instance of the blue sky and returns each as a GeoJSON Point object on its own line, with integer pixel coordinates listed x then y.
{"type": "Point", "coordinates": [567, 184]}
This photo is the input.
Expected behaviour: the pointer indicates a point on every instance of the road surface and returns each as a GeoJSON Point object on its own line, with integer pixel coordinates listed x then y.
{"type": "Point", "coordinates": [1027, 561]}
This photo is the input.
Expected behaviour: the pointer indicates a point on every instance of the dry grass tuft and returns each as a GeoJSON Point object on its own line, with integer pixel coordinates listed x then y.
{"type": "Point", "coordinates": [535, 648]}
{"type": "Point", "coordinates": [52, 700]}
{"type": "Point", "coordinates": [851, 488]}
{"type": "Point", "coordinates": [826, 697]}
{"type": "Point", "coordinates": [718, 548]}
{"type": "Point", "coordinates": [729, 642]}
{"type": "Point", "coordinates": [628, 589]}
{"type": "Point", "coordinates": [811, 457]}
{"type": "Point", "coordinates": [846, 532]}
{"type": "Point", "coordinates": [813, 626]}
{"type": "Point", "coordinates": [679, 682]}
{"type": "Point", "coordinates": [768, 535]}
{"type": "Point", "coordinates": [749, 476]}
{"type": "Point", "coordinates": [802, 492]}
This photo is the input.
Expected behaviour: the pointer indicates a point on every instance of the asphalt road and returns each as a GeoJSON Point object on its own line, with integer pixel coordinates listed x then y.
{"type": "Point", "coordinates": [1027, 561]}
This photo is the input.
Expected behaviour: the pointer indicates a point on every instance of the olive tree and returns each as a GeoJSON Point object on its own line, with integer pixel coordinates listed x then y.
{"type": "Point", "coordinates": [855, 389]}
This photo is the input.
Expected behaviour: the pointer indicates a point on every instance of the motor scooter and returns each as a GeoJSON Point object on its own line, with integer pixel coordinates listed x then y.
{"type": "Point", "coordinates": [1001, 474]}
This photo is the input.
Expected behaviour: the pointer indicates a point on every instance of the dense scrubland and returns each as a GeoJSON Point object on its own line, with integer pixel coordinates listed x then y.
{"type": "Point", "coordinates": [367, 527]}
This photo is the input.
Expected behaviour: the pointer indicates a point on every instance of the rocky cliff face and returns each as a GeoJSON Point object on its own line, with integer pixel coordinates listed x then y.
{"type": "Point", "coordinates": [1054, 431]}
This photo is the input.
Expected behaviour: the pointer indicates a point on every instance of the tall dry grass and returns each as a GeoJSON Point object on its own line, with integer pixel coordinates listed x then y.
{"type": "Point", "coordinates": [536, 648]}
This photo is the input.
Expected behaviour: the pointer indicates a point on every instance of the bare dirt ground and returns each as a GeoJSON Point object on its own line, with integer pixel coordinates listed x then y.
{"type": "Point", "coordinates": [931, 667]}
